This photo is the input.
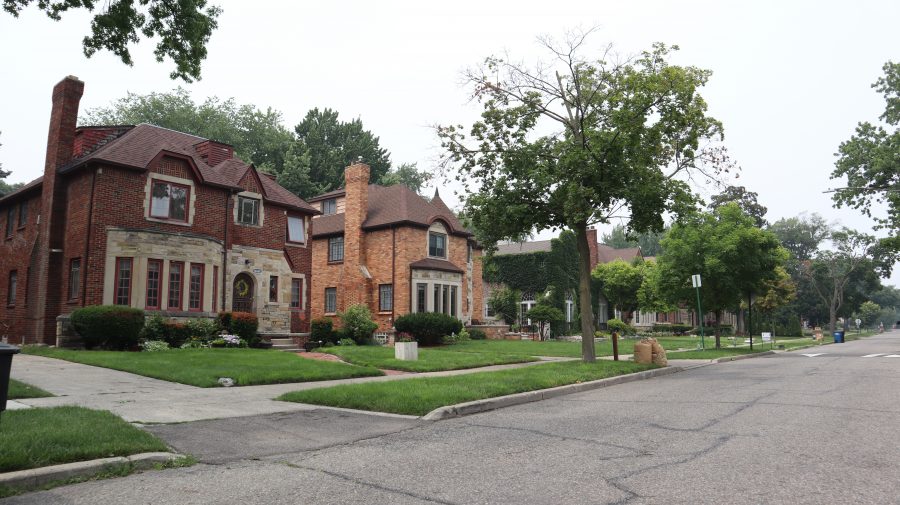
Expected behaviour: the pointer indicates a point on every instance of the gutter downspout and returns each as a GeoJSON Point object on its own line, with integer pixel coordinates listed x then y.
{"type": "Point", "coordinates": [393, 274]}
{"type": "Point", "coordinates": [225, 250]}
{"type": "Point", "coordinates": [87, 242]}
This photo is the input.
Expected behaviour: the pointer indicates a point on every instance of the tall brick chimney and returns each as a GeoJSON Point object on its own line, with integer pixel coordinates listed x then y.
{"type": "Point", "coordinates": [213, 152]}
{"type": "Point", "coordinates": [47, 269]}
{"type": "Point", "coordinates": [592, 246]}
{"type": "Point", "coordinates": [356, 206]}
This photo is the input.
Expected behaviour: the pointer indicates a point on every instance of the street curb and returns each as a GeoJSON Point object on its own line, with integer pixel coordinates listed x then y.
{"type": "Point", "coordinates": [36, 477]}
{"type": "Point", "coordinates": [477, 406]}
{"type": "Point", "coordinates": [743, 356]}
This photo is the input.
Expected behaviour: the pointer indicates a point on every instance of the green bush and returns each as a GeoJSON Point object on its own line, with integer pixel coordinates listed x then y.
{"type": "Point", "coordinates": [322, 330]}
{"type": "Point", "coordinates": [108, 326]}
{"type": "Point", "coordinates": [154, 345]}
{"type": "Point", "coordinates": [202, 329]}
{"type": "Point", "coordinates": [455, 338]}
{"type": "Point", "coordinates": [428, 328]}
{"type": "Point", "coordinates": [475, 334]}
{"type": "Point", "coordinates": [675, 329]}
{"type": "Point", "coordinates": [154, 328]}
{"type": "Point", "coordinates": [620, 326]}
{"type": "Point", "coordinates": [356, 323]}
{"type": "Point", "coordinates": [242, 324]}
{"type": "Point", "coordinates": [505, 304]}
{"type": "Point", "coordinates": [793, 328]}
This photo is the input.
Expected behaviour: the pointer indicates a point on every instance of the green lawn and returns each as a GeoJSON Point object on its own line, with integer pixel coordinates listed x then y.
{"type": "Point", "coordinates": [564, 349]}
{"type": "Point", "coordinates": [19, 390]}
{"type": "Point", "coordinates": [430, 359]}
{"type": "Point", "coordinates": [712, 353]}
{"type": "Point", "coordinates": [204, 367]}
{"type": "Point", "coordinates": [420, 396]}
{"type": "Point", "coordinates": [32, 438]}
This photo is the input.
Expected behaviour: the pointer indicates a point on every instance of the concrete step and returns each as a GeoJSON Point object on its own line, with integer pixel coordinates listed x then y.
{"type": "Point", "coordinates": [282, 341]}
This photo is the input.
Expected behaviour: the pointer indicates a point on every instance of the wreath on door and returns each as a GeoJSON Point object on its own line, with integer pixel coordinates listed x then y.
{"type": "Point", "coordinates": [242, 288]}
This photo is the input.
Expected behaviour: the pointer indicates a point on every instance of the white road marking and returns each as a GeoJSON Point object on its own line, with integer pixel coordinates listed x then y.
{"type": "Point", "coordinates": [874, 355]}
{"type": "Point", "coordinates": [814, 355]}
{"type": "Point", "coordinates": [893, 356]}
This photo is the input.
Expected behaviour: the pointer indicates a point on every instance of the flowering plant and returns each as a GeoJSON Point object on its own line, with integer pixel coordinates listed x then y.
{"type": "Point", "coordinates": [404, 337]}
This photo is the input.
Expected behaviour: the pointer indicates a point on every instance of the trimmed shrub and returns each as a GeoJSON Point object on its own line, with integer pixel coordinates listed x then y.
{"type": "Point", "coordinates": [356, 323]}
{"type": "Point", "coordinates": [322, 330]}
{"type": "Point", "coordinates": [176, 333]}
{"type": "Point", "coordinates": [202, 329]}
{"type": "Point", "coordinates": [428, 328]}
{"type": "Point", "coordinates": [242, 324]}
{"type": "Point", "coordinates": [620, 326]}
{"type": "Point", "coordinates": [154, 328]}
{"type": "Point", "coordinates": [108, 326]}
{"type": "Point", "coordinates": [475, 334]}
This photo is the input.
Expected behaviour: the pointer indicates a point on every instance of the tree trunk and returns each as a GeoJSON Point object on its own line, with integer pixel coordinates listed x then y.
{"type": "Point", "coordinates": [718, 332]}
{"type": "Point", "coordinates": [584, 294]}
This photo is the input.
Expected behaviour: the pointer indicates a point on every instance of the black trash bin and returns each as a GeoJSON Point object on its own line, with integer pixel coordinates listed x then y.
{"type": "Point", "coordinates": [6, 355]}
{"type": "Point", "coordinates": [839, 337]}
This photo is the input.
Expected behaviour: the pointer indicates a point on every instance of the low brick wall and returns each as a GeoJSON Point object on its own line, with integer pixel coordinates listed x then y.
{"type": "Point", "coordinates": [65, 334]}
{"type": "Point", "coordinates": [494, 331]}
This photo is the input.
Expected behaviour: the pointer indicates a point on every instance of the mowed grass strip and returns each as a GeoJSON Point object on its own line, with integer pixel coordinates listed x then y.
{"type": "Point", "coordinates": [713, 353]}
{"type": "Point", "coordinates": [565, 349]}
{"type": "Point", "coordinates": [420, 396]}
{"type": "Point", "coordinates": [204, 367]}
{"type": "Point", "coordinates": [430, 359]}
{"type": "Point", "coordinates": [32, 438]}
{"type": "Point", "coordinates": [20, 390]}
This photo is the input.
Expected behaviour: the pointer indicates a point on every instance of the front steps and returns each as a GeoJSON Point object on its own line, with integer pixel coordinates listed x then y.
{"type": "Point", "coordinates": [285, 344]}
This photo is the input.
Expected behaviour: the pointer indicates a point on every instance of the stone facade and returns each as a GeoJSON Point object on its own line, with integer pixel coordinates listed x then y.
{"type": "Point", "coordinates": [88, 215]}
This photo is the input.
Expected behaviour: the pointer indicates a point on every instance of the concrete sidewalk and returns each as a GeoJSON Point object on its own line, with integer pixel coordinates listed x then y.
{"type": "Point", "coordinates": [144, 400]}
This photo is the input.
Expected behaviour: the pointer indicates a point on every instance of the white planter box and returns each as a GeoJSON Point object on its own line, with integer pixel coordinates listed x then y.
{"type": "Point", "coordinates": [407, 351]}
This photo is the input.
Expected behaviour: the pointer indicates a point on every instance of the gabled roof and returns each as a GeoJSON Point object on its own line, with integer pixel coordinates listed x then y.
{"type": "Point", "coordinates": [330, 194]}
{"type": "Point", "coordinates": [138, 147]}
{"type": "Point", "coordinates": [606, 254]}
{"type": "Point", "coordinates": [524, 247]}
{"type": "Point", "coordinates": [21, 191]}
{"type": "Point", "coordinates": [392, 205]}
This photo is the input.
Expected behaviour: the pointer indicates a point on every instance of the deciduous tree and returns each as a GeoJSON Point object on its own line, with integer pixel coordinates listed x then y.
{"type": "Point", "coordinates": [183, 28]}
{"type": "Point", "coordinates": [746, 200]}
{"type": "Point", "coordinates": [580, 141]}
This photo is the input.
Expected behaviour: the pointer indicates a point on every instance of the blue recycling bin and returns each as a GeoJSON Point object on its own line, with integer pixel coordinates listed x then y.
{"type": "Point", "coordinates": [839, 337]}
{"type": "Point", "coordinates": [6, 355]}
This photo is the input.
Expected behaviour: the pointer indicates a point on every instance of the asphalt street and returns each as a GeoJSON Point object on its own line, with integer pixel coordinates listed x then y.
{"type": "Point", "coordinates": [815, 426]}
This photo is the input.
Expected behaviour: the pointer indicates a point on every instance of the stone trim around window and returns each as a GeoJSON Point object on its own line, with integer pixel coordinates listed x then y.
{"type": "Point", "coordinates": [191, 203]}
{"type": "Point", "coordinates": [262, 209]}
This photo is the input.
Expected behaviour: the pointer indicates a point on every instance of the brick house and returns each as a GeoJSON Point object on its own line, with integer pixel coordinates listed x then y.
{"type": "Point", "coordinates": [391, 249]}
{"type": "Point", "coordinates": [151, 218]}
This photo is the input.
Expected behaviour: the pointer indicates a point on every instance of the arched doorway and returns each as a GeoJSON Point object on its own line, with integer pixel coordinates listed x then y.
{"type": "Point", "coordinates": [242, 293]}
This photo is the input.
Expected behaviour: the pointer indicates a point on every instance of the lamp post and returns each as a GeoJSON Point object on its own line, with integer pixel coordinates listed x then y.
{"type": "Point", "coordinates": [695, 280]}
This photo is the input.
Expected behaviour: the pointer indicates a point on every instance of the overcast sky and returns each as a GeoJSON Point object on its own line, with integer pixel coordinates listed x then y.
{"type": "Point", "coordinates": [790, 79]}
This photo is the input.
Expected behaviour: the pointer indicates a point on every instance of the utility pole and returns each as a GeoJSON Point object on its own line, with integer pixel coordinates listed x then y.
{"type": "Point", "coordinates": [695, 279]}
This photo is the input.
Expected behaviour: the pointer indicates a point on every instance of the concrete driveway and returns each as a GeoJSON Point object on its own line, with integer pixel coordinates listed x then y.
{"type": "Point", "coordinates": [788, 428]}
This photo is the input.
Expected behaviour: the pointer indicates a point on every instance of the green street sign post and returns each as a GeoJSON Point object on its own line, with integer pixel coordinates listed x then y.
{"type": "Point", "coordinates": [695, 279]}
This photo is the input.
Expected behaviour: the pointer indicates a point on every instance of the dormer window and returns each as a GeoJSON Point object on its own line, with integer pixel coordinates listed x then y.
{"type": "Point", "coordinates": [437, 245]}
{"type": "Point", "coordinates": [295, 230]}
{"type": "Point", "coordinates": [169, 201]}
{"type": "Point", "coordinates": [329, 206]}
{"type": "Point", "coordinates": [248, 211]}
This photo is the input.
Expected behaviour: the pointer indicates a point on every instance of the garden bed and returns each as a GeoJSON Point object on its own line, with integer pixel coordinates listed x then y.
{"type": "Point", "coordinates": [204, 367]}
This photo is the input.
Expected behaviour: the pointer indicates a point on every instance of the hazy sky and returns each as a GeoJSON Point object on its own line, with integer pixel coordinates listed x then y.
{"type": "Point", "coordinates": [790, 79]}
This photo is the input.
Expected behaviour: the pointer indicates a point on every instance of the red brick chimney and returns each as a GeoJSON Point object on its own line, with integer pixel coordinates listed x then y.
{"type": "Point", "coordinates": [48, 258]}
{"type": "Point", "coordinates": [592, 246]}
{"type": "Point", "coordinates": [356, 206]}
{"type": "Point", "coordinates": [214, 152]}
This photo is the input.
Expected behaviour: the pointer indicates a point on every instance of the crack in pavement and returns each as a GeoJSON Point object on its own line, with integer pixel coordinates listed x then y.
{"type": "Point", "coordinates": [372, 485]}
{"type": "Point", "coordinates": [638, 452]}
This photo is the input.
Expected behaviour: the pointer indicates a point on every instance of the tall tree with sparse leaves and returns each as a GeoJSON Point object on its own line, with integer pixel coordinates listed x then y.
{"type": "Point", "coordinates": [748, 201]}
{"type": "Point", "coordinates": [183, 28]}
{"type": "Point", "coordinates": [582, 141]}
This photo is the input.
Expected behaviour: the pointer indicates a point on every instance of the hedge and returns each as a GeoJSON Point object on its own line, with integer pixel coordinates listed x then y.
{"type": "Point", "coordinates": [428, 328]}
{"type": "Point", "coordinates": [113, 327]}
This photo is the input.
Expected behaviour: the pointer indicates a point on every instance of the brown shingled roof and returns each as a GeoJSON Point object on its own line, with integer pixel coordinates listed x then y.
{"type": "Point", "coordinates": [433, 264]}
{"type": "Point", "coordinates": [140, 145]}
{"type": "Point", "coordinates": [524, 247]}
{"type": "Point", "coordinates": [390, 205]}
{"type": "Point", "coordinates": [330, 194]}
{"type": "Point", "coordinates": [606, 254]}
{"type": "Point", "coordinates": [24, 189]}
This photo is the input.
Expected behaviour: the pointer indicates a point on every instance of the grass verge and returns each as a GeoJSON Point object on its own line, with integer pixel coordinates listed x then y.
{"type": "Point", "coordinates": [430, 360]}
{"type": "Point", "coordinates": [33, 438]}
{"type": "Point", "coordinates": [204, 367]}
{"type": "Point", "coordinates": [19, 390]}
{"type": "Point", "coordinates": [715, 353]}
{"type": "Point", "coordinates": [564, 349]}
{"type": "Point", "coordinates": [420, 396]}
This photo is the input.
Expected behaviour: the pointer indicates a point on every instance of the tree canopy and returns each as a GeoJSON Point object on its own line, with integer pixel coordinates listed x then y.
{"type": "Point", "coordinates": [870, 161]}
{"type": "Point", "coordinates": [648, 241]}
{"type": "Point", "coordinates": [746, 200]}
{"type": "Point", "coordinates": [257, 135]}
{"type": "Point", "coordinates": [732, 255]}
{"type": "Point", "coordinates": [620, 283]}
{"type": "Point", "coordinates": [183, 28]}
{"type": "Point", "coordinates": [407, 174]}
{"type": "Point", "coordinates": [581, 141]}
{"type": "Point", "coordinates": [801, 235]}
